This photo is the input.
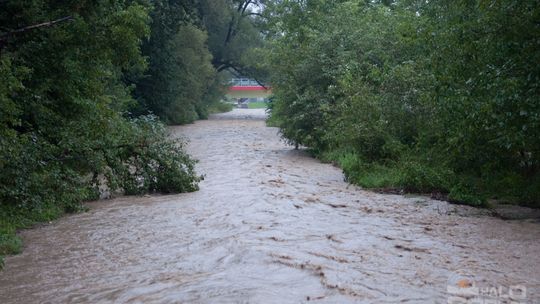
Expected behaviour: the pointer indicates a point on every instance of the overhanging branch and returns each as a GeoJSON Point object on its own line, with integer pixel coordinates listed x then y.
{"type": "Point", "coordinates": [244, 73]}
{"type": "Point", "coordinates": [4, 37]}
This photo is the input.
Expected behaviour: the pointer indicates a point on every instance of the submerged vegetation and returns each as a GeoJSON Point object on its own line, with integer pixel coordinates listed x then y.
{"type": "Point", "coordinates": [423, 96]}
{"type": "Point", "coordinates": [86, 88]}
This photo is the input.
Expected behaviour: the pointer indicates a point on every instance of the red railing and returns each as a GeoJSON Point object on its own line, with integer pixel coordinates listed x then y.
{"type": "Point", "coordinates": [248, 88]}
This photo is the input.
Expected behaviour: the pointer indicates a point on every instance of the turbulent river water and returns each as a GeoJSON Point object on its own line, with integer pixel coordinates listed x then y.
{"type": "Point", "coordinates": [272, 225]}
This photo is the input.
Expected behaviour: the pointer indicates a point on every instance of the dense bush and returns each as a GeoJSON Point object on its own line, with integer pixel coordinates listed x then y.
{"type": "Point", "coordinates": [180, 73]}
{"type": "Point", "coordinates": [80, 83]}
{"type": "Point", "coordinates": [220, 107]}
{"type": "Point", "coordinates": [191, 43]}
{"type": "Point", "coordinates": [151, 162]}
{"type": "Point", "coordinates": [63, 103]}
{"type": "Point", "coordinates": [437, 96]}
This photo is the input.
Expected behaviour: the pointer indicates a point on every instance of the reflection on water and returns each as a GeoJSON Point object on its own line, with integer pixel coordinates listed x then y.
{"type": "Point", "coordinates": [269, 225]}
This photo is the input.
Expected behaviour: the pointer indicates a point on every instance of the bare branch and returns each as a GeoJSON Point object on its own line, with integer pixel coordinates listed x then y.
{"type": "Point", "coordinates": [241, 72]}
{"type": "Point", "coordinates": [246, 4]}
{"type": "Point", "coordinates": [4, 37]}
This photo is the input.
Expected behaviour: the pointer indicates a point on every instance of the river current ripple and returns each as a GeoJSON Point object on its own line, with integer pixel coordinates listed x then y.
{"type": "Point", "coordinates": [269, 225]}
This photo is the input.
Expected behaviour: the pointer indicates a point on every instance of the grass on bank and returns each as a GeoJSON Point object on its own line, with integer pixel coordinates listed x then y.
{"type": "Point", "coordinates": [411, 175]}
{"type": "Point", "coordinates": [257, 105]}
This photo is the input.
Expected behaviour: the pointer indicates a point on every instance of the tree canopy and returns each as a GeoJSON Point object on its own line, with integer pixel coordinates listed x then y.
{"type": "Point", "coordinates": [429, 96]}
{"type": "Point", "coordinates": [80, 85]}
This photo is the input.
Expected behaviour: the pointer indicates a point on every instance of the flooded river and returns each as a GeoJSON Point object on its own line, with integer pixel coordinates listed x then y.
{"type": "Point", "coordinates": [272, 225]}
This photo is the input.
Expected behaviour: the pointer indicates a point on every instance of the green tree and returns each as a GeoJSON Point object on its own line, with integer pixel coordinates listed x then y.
{"type": "Point", "coordinates": [63, 96]}
{"type": "Point", "coordinates": [426, 96]}
{"type": "Point", "coordinates": [234, 34]}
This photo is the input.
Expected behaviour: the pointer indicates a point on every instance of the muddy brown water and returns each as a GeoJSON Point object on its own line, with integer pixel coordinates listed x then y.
{"type": "Point", "coordinates": [270, 225]}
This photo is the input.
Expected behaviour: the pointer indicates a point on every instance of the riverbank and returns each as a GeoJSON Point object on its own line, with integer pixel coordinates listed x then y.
{"type": "Point", "coordinates": [270, 224]}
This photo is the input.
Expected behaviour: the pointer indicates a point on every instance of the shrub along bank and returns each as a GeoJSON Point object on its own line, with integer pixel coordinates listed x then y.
{"type": "Point", "coordinates": [424, 96]}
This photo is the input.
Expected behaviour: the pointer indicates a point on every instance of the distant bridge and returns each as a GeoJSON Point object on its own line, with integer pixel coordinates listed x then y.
{"type": "Point", "coordinates": [247, 88]}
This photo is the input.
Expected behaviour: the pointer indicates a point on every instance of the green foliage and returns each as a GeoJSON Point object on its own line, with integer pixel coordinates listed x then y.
{"type": "Point", "coordinates": [466, 194]}
{"type": "Point", "coordinates": [220, 107]}
{"type": "Point", "coordinates": [152, 162]}
{"type": "Point", "coordinates": [64, 92]}
{"type": "Point", "coordinates": [233, 35]}
{"type": "Point", "coordinates": [70, 76]}
{"type": "Point", "coordinates": [191, 43]}
{"type": "Point", "coordinates": [257, 105]}
{"type": "Point", "coordinates": [180, 75]}
{"type": "Point", "coordinates": [421, 95]}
